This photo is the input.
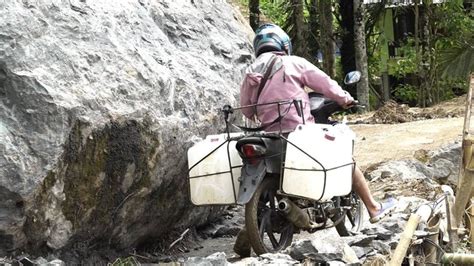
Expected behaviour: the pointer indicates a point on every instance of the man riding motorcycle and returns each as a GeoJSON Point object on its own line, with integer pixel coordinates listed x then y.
{"type": "Point", "coordinates": [287, 78]}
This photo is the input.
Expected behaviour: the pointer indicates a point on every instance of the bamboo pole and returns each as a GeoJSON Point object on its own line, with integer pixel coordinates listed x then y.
{"type": "Point", "coordinates": [466, 173]}
{"type": "Point", "coordinates": [430, 250]}
{"type": "Point", "coordinates": [422, 215]}
{"type": "Point", "coordinates": [466, 181]}
{"type": "Point", "coordinates": [458, 258]}
{"type": "Point", "coordinates": [467, 114]}
{"type": "Point", "coordinates": [452, 230]}
{"type": "Point", "coordinates": [405, 240]}
{"type": "Point", "coordinates": [467, 122]}
{"type": "Point", "coordinates": [471, 222]}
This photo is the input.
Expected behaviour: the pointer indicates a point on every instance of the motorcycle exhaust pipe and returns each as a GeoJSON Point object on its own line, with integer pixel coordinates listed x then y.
{"type": "Point", "coordinates": [296, 215]}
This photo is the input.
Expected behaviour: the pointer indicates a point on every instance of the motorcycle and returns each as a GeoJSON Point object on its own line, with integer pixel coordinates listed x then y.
{"type": "Point", "coordinates": [286, 186]}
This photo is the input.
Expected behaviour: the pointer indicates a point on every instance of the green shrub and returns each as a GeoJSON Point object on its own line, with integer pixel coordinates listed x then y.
{"type": "Point", "coordinates": [406, 93]}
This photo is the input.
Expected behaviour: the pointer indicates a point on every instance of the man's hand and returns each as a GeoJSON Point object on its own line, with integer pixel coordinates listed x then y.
{"type": "Point", "coordinates": [351, 104]}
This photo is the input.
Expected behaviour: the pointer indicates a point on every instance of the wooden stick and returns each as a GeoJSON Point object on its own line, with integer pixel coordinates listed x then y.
{"type": "Point", "coordinates": [180, 238]}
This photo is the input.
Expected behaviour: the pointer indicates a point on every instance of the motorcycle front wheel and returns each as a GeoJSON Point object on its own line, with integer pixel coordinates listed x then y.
{"type": "Point", "coordinates": [268, 229]}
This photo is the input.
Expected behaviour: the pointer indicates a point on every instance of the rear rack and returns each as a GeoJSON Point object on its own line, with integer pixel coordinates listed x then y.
{"type": "Point", "coordinates": [258, 132]}
{"type": "Point", "coordinates": [298, 103]}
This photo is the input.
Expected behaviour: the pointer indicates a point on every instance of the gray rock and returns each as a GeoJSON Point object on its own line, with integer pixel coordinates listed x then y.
{"type": "Point", "coordinates": [41, 261]}
{"type": "Point", "coordinates": [99, 103]}
{"type": "Point", "coordinates": [403, 169]}
{"type": "Point", "coordinates": [335, 263]}
{"type": "Point", "coordinates": [226, 231]}
{"type": "Point", "coordinates": [393, 224]}
{"type": "Point", "coordinates": [267, 259]}
{"type": "Point", "coordinates": [405, 207]}
{"type": "Point", "coordinates": [393, 243]}
{"type": "Point", "coordinates": [362, 251]}
{"type": "Point", "coordinates": [381, 247]}
{"type": "Point", "coordinates": [56, 262]}
{"type": "Point", "coordinates": [331, 249]}
{"type": "Point", "coordinates": [445, 163]}
{"type": "Point", "coordinates": [378, 231]}
{"type": "Point", "coordinates": [278, 259]}
{"type": "Point", "coordinates": [450, 152]}
{"type": "Point", "coordinates": [25, 260]}
{"type": "Point", "coordinates": [359, 240]}
{"type": "Point", "coordinates": [349, 256]}
{"type": "Point", "coordinates": [442, 169]}
{"type": "Point", "coordinates": [216, 259]}
{"type": "Point", "coordinates": [248, 261]}
{"type": "Point", "coordinates": [5, 261]}
{"type": "Point", "coordinates": [299, 249]}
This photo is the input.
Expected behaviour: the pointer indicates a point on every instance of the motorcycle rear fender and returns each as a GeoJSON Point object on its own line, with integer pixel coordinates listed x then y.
{"type": "Point", "coordinates": [273, 160]}
{"type": "Point", "coordinates": [250, 179]}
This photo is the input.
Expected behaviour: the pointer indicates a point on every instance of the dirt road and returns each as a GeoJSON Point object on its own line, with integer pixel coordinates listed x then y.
{"type": "Point", "coordinates": [382, 142]}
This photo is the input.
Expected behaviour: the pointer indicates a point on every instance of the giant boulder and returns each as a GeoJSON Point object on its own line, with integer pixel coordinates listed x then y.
{"type": "Point", "coordinates": [99, 102]}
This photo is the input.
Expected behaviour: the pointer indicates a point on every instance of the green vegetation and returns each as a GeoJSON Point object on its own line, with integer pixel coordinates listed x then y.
{"type": "Point", "coordinates": [455, 41]}
{"type": "Point", "coordinates": [419, 54]}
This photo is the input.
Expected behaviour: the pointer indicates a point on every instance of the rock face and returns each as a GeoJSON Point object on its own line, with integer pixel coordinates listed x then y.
{"type": "Point", "coordinates": [99, 102]}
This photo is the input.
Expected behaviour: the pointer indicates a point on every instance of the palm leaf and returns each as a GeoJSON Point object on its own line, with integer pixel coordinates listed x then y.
{"type": "Point", "coordinates": [458, 61]}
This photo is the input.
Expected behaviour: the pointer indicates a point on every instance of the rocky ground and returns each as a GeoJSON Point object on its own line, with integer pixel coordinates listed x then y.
{"type": "Point", "coordinates": [409, 161]}
{"type": "Point", "coordinates": [407, 153]}
{"type": "Point", "coordinates": [411, 182]}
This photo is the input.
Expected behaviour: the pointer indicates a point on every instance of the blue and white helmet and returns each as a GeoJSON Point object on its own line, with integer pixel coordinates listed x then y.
{"type": "Point", "coordinates": [270, 37]}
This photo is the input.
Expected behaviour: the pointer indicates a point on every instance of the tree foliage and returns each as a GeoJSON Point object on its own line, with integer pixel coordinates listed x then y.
{"type": "Point", "coordinates": [295, 26]}
{"type": "Point", "coordinates": [456, 40]}
{"type": "Point", "coordinates": [429, 62]}
{"type": "Point", "coordinates": [254, 13]}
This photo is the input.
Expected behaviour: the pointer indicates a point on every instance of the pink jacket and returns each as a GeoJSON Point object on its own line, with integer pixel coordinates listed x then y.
{"type": "Point", "coordinates": [289, 76]}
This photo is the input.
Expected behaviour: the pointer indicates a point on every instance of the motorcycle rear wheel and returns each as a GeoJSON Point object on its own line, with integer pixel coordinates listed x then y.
{"type": "Point", "coordinates": [268, 229]}
{"type": "Point", "coordinates": [354, 218]}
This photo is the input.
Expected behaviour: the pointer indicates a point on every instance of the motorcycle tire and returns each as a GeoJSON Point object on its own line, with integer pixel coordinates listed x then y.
{"type": "Point", "coordinates": [268, 229]}
{"type": "Point", "coordinates": [353, 219]}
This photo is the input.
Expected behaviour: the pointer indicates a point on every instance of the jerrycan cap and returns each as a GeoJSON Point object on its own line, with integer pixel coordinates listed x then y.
{"type": "Point", "coordinates": [329, 135]}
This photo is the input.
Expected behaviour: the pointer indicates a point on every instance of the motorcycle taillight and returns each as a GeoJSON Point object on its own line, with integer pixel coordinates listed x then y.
{"type": "Point", "coordinates": [252, 152]}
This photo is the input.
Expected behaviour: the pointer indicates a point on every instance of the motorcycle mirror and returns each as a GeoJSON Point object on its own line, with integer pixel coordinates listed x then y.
{"type": "Point", "coordinates": [352, 77]}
